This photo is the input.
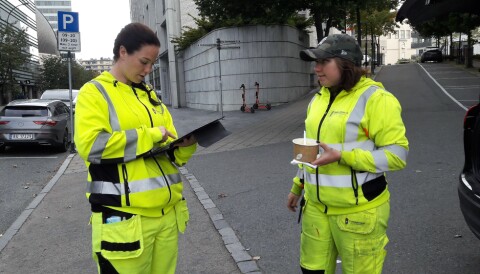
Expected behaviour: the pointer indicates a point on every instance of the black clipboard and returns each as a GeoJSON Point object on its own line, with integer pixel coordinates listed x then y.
{"type": "Point", "coordinates": [206, 135]}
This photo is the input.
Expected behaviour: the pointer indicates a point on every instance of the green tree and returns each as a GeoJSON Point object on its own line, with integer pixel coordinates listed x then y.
{"type": "Point", "coordinates": [216, 14]}
{"type": "Point", "coordinates": [54, 74]}
{"type": "Point", "coordinates": [455, 22]}
{"type": "Point", "coordinates": [13, 57]}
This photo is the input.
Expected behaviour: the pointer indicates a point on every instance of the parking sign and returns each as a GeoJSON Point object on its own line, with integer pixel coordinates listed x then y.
{"type": "Point", "coordinates": [68, 21]}
{"type": "Point", "coordinates": [68, 37]}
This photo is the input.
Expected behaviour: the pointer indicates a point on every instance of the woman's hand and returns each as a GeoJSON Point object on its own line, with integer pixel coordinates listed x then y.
{"type": "Point", "coordinates": [188, 141]}
{"type": "Point", "coordinates": [328, 156]}
{"type": "Point", "coordinates": [292, 201]}
{"type": "Point", "coordinates": [166, 134]}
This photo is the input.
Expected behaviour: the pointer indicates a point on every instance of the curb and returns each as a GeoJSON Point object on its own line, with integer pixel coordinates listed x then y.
{"type": "Point", "coordinates": [15, 227]}
{"type": "Point", "coordinates": [244, 261]}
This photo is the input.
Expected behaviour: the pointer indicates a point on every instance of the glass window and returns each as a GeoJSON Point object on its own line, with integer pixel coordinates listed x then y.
{"type": "Point", "coordinates": [24, 111]}
{"type": "Point", "coordinates": [407, 34]}
{"type": "Point", "coordinates": [402, 34]}
{"type": "Point", "coordinates": [396, 34]}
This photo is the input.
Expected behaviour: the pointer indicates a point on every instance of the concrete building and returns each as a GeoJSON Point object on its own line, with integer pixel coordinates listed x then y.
{"type": "Point", "coordinates": [166, 18]}
{"type": "Point", "coordinates": [195, 78]}
{"type": "Point", "coordinates": [192, 78]}
{"type": "Point", "coordinates": [98, 65]}
{"type": "Point", "coordinates": [50, 10]}
{"type": "Point", "coordinates": [21, 15]}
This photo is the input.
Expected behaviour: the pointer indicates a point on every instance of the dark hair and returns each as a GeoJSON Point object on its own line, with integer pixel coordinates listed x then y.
{"type": "Point", "coordinates": [351, 73]}
{"type": "Point", "coordinates": [143, 86]}
{"type": "Point", "coordinates": [133, 36]}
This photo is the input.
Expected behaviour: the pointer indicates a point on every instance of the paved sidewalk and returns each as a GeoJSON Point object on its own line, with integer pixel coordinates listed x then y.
{"type": "Point", "coordinates": [53, 236]}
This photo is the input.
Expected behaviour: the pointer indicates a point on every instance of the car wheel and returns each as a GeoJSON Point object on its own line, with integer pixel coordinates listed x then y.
{"type": "Point", "coordinates": [63, 146]}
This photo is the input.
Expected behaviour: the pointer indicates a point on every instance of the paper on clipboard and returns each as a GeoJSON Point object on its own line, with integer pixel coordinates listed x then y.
{"type": "Point", "coordinates": [205, 135]}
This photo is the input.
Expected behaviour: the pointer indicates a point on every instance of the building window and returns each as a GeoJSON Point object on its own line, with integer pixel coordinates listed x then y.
{"type": "Point", "coordinates": [402, 34]}
{"type": "Point", "coordinates": [396, 34]}
{"type": "Point", "coordinates": [407, 34]}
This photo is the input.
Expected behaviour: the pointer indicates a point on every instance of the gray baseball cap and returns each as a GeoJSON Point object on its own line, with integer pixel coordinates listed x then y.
{"type": "Point", "coordinates": [335, 45]}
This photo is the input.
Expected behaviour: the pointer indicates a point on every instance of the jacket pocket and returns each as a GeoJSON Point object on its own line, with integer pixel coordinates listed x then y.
{"type": "Point", "coordinates": [182, 215]}
{"type": "Point", "coordinates": [123, 239]}
{"type": "Point", "coordinates": [360, 223]}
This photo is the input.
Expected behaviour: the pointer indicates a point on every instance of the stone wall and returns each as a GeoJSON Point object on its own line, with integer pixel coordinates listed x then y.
{"type": "Point", "coordinates": [268, 55]}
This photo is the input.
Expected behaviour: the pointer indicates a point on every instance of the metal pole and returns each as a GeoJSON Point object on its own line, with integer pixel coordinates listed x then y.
{"type": "Point", "coordinates": [220, 76]}
{"type": "Point", "coordinates": [14, 8]}
{"type": "Point", "coordinates": [72, 145]}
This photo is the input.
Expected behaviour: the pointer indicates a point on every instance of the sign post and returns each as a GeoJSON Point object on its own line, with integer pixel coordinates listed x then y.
{"type": "Point", "coordinates": [220, 44]}
{"type": "Point", "coordinates": [68, 39]}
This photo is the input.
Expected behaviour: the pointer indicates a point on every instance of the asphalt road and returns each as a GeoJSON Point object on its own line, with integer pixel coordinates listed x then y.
{"type": "Point", "coordinates": [427, 231]}
{"type": "Point", "coordinates": [24, 171]}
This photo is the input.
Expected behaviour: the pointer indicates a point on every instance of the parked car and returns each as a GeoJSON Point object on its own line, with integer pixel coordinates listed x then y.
{"type": "Point", "coordinates": [35, 121]}
{"type": "Point", "coordinates": [469, 185]}
{"type": "Point", "coordinates": [62, 95]}
{"type": "Point", "coordinates": [434, 55]}
{"type": "Point", "coordinates": [366, 59]}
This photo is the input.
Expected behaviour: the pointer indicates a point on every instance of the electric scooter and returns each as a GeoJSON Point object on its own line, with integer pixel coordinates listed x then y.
{"type": "Point", "coordinates": [244, 107]}
{"type": "Point", "coordinates": [257, 104]}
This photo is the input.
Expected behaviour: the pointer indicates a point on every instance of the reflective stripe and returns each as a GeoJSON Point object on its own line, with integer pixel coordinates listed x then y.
{"type": "Point", "coordinates": [111, 109]}
{"type": "Point", "coordinates": [340, 180]}
{"type": "Point", "coordinates": [353, 122]}
{"type": "Point", "coordinates": [381, 161]}
{"type": "Point", "coordinates": [130, 153]}
{"type": "Point", "coordinates": [299, 173]}
{"type": "Point", "coordinates": [313, 99]}
{"type": "Point", "coordinates": [98, 147]}
{"type": "Point", "coordinates": [102, 187]}
{"type": "Point", "coordinates": [96, 152]}
{"type": "Point", "coordinates": [400, 151]}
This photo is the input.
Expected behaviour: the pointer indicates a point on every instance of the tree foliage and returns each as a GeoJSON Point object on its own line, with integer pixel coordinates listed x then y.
{"type": "Point", "coordinates": [13, 56]}
{"type": "Point", "coordinates": [54, 74]}
{"type": "Point", "coordinates": [216, 14]}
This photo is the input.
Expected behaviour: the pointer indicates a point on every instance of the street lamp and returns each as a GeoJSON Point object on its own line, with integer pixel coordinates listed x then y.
{"type": "Point", "coordinates": [14, 8]}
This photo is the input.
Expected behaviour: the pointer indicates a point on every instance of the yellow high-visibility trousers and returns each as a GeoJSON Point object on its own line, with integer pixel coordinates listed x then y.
{"type": "Point", "coordinates": [139, 244]}
{"type": "Point", "coordinates": [359, 239]}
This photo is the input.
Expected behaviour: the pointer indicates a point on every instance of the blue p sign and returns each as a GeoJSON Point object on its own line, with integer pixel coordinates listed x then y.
{"type": "Point", "coordinates": [68, 21]}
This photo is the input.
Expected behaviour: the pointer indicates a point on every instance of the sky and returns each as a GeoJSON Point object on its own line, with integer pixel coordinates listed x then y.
{"type": "Point", "coordinates": [100, 21]}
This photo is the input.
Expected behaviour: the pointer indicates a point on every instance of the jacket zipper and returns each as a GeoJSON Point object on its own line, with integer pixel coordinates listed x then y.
{"type": "Point", "coordinates": [318, 139]}
{"type": "Point", "coordinates": [151, 123]}
{"type": "Point", "coordinates": [146, 108]}
{"type": "Point", "coordinates": [125, 184]}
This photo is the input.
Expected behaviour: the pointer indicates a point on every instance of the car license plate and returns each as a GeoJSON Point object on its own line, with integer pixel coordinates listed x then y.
{"type": "Point", "coordinates": [21, 136]}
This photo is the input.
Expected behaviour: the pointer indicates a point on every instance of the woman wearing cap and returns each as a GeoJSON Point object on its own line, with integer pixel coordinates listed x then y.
{"type": "Point", "coordinates": [136, 198]}
{"type": "Point", "coordinates": [361, 134]}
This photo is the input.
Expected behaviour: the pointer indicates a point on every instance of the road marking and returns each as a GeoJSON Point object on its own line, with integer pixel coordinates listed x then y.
{"type": "Point", "coordinates": [445, 72]}
{"type": "Point", "coordinates": [458, 78]}
{"type": "Point", "coordinates": [444, 91]}
{"type": "Point", "coordinates": [464, 86]}
{"type": "Point", "coordinates": [53, 157]}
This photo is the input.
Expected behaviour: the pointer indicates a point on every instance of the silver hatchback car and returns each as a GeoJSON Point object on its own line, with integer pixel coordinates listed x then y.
{"type": "Point", "coordinates": [35, 121]}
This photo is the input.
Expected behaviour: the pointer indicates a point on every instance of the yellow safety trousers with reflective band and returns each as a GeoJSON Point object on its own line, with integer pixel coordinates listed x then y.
{"type": "Point", "coordinates": [115, 126]}
{"type": "Point", "coordinates": [365, 124]}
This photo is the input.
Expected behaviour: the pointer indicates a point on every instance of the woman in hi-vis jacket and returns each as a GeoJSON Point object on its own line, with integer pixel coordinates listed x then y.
{"type": "Point", "coordinates": [361, 135]}
{"type": "Point", "coordinates": [136, 197]}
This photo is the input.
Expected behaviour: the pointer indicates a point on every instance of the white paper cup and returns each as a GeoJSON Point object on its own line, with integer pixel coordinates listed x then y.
{"type": "Point", "coordinates": [305, 150]}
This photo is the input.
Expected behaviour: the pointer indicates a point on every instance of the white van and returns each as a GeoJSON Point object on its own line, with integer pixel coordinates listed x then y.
{"type": "Point", "coordinates": [62, 95]}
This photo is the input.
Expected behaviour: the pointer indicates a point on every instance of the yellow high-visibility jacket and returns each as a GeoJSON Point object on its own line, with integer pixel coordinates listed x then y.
{"type": "Point", "coordinates": [365, 124]}
{"type": "Point", "coordinates": [116, 125]}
